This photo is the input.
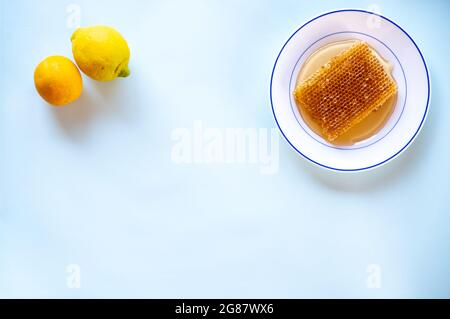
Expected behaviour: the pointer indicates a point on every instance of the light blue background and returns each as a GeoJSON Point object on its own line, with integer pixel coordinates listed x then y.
{"type": "Point", "coordinates": [93, 184]}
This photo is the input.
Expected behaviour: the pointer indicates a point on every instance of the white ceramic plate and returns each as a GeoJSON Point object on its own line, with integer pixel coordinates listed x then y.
{"type": "Point", "coordinates": [410, 72]}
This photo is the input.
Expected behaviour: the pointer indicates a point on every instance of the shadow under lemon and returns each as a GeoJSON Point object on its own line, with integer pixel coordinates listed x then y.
{"type": "Point", "coordinates": [100, 101]}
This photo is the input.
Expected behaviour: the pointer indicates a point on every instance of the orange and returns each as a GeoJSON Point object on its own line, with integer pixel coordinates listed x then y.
{"type": "Point", "coordinates": [58, 80]}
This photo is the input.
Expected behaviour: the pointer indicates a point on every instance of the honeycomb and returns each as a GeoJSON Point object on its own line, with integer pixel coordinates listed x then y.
{"type": "Point", "coordinates": [343, 92]}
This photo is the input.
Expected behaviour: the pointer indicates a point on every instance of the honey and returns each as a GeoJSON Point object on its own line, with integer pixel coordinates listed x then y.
{"type": "Point", "coordinates": [371, 123]}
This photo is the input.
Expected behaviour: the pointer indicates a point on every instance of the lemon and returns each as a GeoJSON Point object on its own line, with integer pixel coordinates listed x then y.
{"type": "Point", "coordinates": [58, 80]}
{"type": "Point", "coordinates": [101, 52]}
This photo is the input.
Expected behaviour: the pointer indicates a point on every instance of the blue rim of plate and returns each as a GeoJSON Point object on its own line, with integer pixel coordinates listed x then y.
{"type": "Point", "coordinates": [424, 115]}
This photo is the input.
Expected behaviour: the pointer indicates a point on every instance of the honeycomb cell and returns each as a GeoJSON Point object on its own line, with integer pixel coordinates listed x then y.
{"type": "Point", "coordinates": [343, 92]}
